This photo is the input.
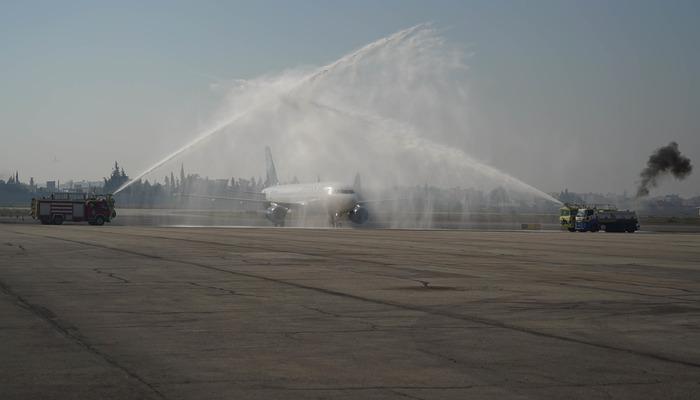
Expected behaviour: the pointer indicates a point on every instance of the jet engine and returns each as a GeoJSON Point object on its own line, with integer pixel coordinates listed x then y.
{"type": "Point", "coordinates": [358, 215]}
{"type": "Point", "coordinates": [276, 214]}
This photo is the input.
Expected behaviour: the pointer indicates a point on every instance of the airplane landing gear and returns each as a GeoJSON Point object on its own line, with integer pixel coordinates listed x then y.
{"type": "Point", "coordinates": [334, 220]}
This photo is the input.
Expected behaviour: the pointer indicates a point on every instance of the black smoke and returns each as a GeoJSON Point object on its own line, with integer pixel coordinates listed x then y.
{"type": "Point", "coordinates": [665, 160]}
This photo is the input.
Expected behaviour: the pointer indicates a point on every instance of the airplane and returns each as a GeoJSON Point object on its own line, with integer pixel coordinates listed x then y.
{"type": "Point", "coordinates": [336, 199]}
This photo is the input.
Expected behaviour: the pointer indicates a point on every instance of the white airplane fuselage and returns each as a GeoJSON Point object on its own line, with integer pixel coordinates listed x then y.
{"type": "Point", "coordinates": [334, 197]}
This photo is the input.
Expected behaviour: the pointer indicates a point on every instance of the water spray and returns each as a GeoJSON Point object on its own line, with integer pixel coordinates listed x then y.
{"type": "Point", "coordinates": [361, 111]}
{"type": "Point", "coordinates": [406, 133]}
{"type": "Point", "coordinates": [308, 78]}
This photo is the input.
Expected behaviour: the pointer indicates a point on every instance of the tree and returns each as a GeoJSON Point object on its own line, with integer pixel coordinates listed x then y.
{"type": "Point", "coordinates": [569, 197]}
{"type": "Point", "coordinates": [116, 179]}
{"type": "Point", "coordinates": [498, 197]}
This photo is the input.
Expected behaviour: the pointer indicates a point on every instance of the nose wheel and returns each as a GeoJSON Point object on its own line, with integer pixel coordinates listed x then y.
{"type": "Point", "coordinates": [334, 220]}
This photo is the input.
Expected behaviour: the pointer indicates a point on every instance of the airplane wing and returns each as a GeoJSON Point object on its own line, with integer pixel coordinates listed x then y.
{"type": "Point", "coordinates": [308, 202]}
{"type": "Point", "coordinates": [248, 200]}
{"type": "Point", "coordinates": [374, 201]}
{"type": "Point", "coordinates": [241, 199]}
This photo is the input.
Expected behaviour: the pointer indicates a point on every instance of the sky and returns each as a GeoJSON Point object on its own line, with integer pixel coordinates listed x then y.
{"type": "Point", "coordinates": [563, 94]}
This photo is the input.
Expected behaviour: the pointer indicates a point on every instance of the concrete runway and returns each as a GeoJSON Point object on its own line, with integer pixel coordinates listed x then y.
{"type": "Point", "coordinates": [205, 313]}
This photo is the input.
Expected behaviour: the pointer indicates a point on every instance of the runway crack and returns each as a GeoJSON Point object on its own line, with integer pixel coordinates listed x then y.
{"type": "Point", "coordinates": [228, 291]}
{"type": "Point", "coordinates": [111, 275]}
{"type": "Point", "coordinates": [72, 334]}
{"type": "Point", "coordinates": [372, 326]}
{"type": "Point", "coordinates": [402, 394]}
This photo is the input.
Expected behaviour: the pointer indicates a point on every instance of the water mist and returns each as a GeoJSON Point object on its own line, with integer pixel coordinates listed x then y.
{"type": "Point", "coordinates": [393, 111]}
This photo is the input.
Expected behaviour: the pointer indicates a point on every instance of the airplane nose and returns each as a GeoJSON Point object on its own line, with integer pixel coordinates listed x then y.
{"type": "Point", "coordinates": [345, 201]}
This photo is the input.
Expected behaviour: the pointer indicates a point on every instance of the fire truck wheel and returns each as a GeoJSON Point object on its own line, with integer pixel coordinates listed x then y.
{"type": "Point", "coordinates": [99, 220]}
{"type": "Point", "coordinates": [58, 219]}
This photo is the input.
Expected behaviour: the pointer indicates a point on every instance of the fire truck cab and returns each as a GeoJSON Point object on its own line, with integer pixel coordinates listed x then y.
{"type": "Point", "coordinates": [567, 216]}
{"type": "Point", "coordinates": [75, 207]}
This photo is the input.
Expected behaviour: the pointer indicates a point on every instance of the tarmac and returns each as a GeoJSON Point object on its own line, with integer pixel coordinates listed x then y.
{"type": "Point", "coordinates": [118, 312]}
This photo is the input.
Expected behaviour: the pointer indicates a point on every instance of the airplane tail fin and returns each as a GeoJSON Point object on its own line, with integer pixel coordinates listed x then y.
{"type": "Point", "coordinates": [357, 185]}
{"type": "Point", "coordinates": [271, 179]}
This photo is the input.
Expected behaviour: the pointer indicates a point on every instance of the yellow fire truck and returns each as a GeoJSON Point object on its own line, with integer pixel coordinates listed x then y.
{"type": "Point", "coordinates": [567, 216]}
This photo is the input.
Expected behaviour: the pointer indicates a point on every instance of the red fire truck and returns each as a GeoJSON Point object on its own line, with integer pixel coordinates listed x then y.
{"type": "Point", "coordinates": [60, 207]}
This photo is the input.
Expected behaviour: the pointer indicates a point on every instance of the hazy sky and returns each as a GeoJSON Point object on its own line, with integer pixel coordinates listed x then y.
{"type": "Point", "coordinates": [564, 94]}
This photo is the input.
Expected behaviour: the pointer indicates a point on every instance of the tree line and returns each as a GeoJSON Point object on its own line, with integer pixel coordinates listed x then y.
{"type": "Point", "coordinates": [190, 190]}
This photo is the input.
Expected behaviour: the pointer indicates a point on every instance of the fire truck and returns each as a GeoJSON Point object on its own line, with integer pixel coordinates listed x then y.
{"type": "Point", "coordinates": [58, 208]}
{"type": "Point", "coordinates": [567, 216]}
{"type": "Point", "coordinates": [606, 218]}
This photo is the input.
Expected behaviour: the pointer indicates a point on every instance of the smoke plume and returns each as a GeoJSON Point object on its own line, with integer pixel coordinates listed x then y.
{"type": "Point", "coordinates": [665, 160]}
